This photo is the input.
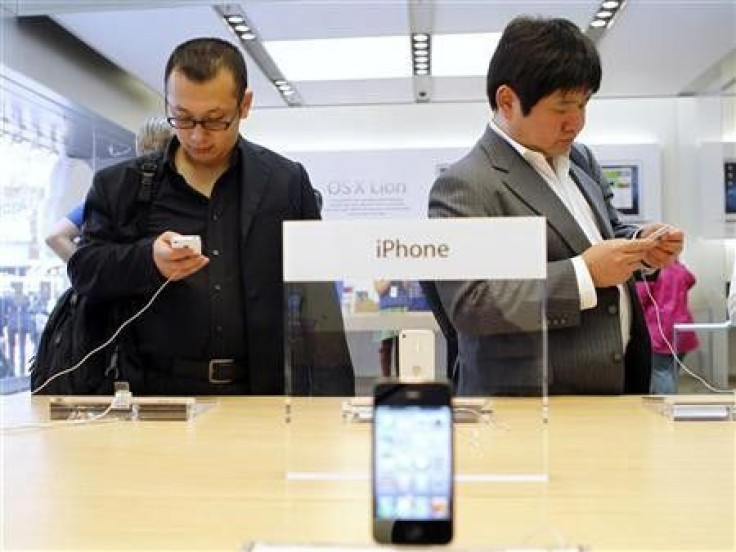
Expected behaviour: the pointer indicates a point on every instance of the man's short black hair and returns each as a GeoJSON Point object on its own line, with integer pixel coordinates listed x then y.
{"type": "Point", "coordinates": [537, 57]}
{"type": "Point", "coordinates": [201, 58]}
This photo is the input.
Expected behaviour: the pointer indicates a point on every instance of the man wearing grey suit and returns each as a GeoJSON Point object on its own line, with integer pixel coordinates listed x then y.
{"type": "Point", "coordinates": [540, 79]}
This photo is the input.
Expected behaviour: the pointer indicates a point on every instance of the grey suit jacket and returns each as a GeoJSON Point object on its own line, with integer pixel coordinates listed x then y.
{"type": "Point", "coordinates": [499, 322]}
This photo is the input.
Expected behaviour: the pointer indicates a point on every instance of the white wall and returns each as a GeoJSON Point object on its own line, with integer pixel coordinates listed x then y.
{"type": "Point", "coordinates": [367, 127]}
{"type": "Point", "coordinates": [729, 118]}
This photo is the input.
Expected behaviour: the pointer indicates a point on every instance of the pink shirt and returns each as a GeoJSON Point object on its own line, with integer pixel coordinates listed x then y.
{"type": "Point", "coordinates": [670, 293]}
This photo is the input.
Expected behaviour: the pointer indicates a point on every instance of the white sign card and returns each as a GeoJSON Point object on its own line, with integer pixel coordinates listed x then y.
{"type": "Point", "coordinates": [512, 248]}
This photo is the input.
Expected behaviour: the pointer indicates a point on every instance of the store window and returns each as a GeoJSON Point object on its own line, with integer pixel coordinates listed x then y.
{"type": "Point", "coordinates": [49, 151]}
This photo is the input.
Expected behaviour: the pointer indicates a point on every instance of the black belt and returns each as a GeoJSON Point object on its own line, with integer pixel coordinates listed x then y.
{"type": "Point", "coordinates": [218, 371]}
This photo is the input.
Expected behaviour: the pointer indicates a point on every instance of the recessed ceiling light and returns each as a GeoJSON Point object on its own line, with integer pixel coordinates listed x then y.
{"type": "Point", "coordinates": [242, 28]}
{"type": "Point", "coordinates": [421, 46]}
{"type": "Point", "coordinates": [235, 19]}
{"type": "Point", "coordinates": [607, 14]}
{"type": "Point", "coordinates": [382, 57]}
{"type": "Point", "coordinates": [248, 36]}
{"type": "Point", "coordinates": [287, 92]}
{"type": "Point", "coordinates": [462, 55]}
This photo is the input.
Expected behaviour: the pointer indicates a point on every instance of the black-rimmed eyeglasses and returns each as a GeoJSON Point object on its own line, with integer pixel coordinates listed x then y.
{"type": "Point", "coordinates": [188, 123]}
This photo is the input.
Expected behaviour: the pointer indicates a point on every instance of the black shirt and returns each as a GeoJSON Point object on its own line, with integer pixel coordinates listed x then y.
{"type": "Point", "coordinates": [202, 316]}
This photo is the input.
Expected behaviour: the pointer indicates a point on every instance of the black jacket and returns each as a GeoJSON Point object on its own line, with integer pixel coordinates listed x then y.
{"type": "Point", "coordinates": [114, 262]}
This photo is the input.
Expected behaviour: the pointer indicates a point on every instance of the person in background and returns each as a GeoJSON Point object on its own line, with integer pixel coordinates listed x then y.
{"type": "Point", "coordinates": [65, 232]}
{"type": "Point", "coordinates": [152, 136]}
{"type": "Point", "coordinates": [665, 304]}
{"type": "Point", "coordinates": [6, 367]}
{"type": "Point", "coordinates": [540, 80]}
{"type": "Point", "coordinates": [20, 326]}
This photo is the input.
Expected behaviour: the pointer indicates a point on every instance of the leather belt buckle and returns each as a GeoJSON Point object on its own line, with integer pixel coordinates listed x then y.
{"type": "Point", "coordinates": [214, 372]}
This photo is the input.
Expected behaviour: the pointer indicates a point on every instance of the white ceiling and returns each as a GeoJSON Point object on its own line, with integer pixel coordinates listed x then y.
{"type": "Point", "coordinates": [655, 48]}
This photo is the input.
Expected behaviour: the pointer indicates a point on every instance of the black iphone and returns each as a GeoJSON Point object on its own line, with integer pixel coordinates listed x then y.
{"type": "Point", "coordinates": [413, 469]}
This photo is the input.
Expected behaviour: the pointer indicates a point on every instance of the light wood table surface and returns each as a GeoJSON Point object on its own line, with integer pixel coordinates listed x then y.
{"type": "Point", "coordinates": [620, 477]}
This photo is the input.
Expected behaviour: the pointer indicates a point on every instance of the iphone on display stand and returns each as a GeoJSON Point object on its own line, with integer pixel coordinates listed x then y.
{"type": "Point", "coordinates": [412, 464]}
{"type": "Point", "coordinates": [416, 355]}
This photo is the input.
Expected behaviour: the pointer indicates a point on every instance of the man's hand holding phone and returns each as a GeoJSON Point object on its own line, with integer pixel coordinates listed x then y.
{"type": "Point", "coordinates": [667, 244]}
{"type": "Point", "coordinates": [612, 262]}
{"type": "Point", "coordinates": [178, 256]}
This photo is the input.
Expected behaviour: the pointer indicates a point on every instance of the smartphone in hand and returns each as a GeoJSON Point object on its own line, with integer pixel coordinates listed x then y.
{"type": "Point", "coordinates": [659, 233]}
{"type": "Point", "coordinates": [193, 243]}
{"type": "Point", "coordinates": [413, 465]}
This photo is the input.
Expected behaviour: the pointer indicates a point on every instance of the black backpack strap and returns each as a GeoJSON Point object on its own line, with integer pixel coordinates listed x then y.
{"type": "Point", "coordinates": [148, 179]}
{"type": "Point", "coordinates": [148, 168]}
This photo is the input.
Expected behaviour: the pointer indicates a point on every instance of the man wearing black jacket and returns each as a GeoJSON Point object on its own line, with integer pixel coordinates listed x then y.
{"type": "Point", "coordinates": [218, 328]}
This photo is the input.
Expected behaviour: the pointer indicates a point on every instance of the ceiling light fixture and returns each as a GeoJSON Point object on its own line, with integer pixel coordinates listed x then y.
{"type": "Point", "coordinates": [421, 27]}
{"type": "Point", "coordinates": [238, 23]}
{"type": "Point", "coordinates": [421, 48]}
{"type": "Point", "coordinates": [604, 17]}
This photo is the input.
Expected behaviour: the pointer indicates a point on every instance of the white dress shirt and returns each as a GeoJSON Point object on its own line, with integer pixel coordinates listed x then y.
{"type": "Point", "coordinates": [562, 184]}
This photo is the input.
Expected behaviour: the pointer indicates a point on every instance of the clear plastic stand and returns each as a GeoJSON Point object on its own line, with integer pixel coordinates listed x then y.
{"type": "Point", "coordinates": [139, 408]}
{"type": "Point", "coordinates": [713, 369]}
{"type": "Point", "coordinates": [705, 396]}
{"type": "Point", "coordinates": [338, 323]}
